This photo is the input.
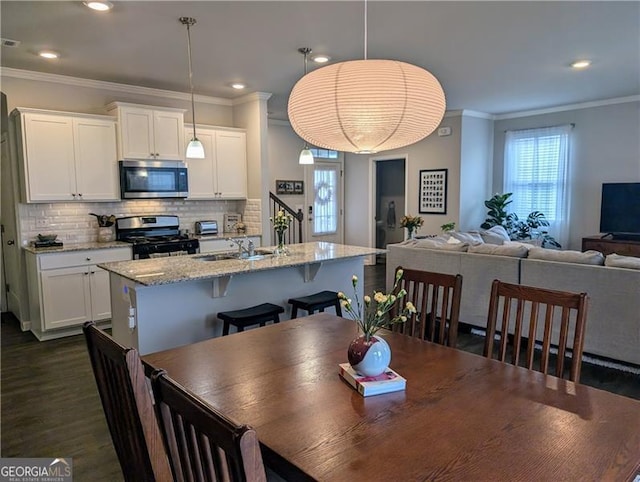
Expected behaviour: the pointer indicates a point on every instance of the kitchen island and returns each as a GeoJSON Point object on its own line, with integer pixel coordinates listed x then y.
{"type": "Point", "coordinates": [162, 303]}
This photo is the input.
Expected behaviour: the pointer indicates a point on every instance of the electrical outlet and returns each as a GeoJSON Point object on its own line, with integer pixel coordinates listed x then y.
{"type": "Point", "coordinates": [41, 223]}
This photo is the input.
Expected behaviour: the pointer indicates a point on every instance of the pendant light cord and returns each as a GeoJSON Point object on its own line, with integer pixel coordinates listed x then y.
{"type": "Point", "coordinates": [188, 22]}
{"type": "Point", "coordinates": [365, 29]}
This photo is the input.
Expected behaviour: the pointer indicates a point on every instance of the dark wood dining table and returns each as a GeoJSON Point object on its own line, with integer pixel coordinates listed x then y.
{"type": "Point", "coordinates": [461, 417]}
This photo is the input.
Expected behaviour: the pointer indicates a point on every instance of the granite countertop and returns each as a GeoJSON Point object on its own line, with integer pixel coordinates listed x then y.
{"type": "Point", "coordinates": [77, 247]}
{"type": "Point", "coordinates": [160, 271]}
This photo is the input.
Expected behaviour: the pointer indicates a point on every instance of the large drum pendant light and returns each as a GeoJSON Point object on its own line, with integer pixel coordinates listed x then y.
{"type": "Point", "coordinates": [195, 150]}
{"type": "Point", "coordinates": [366, 106]}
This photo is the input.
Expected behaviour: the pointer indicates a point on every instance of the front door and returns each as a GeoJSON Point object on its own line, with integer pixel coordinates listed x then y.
{"type": "Point", "coordinates": [324, 202]}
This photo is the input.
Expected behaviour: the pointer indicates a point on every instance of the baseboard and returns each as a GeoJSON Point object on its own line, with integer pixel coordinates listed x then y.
{"type": "Point", "coordinates": [598, 360]}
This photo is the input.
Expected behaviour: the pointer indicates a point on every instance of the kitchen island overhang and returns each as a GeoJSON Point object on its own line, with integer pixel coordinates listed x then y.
{"type": "Point", "coordinates": [161, 303]}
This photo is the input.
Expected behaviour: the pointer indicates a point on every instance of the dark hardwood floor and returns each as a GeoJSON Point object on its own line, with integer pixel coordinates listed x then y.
{"type": "Point", "coordinates": [50, 405]}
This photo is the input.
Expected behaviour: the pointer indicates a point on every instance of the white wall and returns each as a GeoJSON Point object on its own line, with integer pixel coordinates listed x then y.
{"type": "Point", "coordinates": [284, 150]}
{"type": "Point", "coordinates": [251, 114]}
{"type": "Point", "coordinates": [476, 170]}
{"type": "Point", "coordinates": [606, 148]}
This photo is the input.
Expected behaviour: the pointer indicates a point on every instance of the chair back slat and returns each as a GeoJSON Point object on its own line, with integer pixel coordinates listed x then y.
{"type": "Point", "coordinates": [128, 407]}
{"type": "Point", "coordinates": [561, 311]}
{"type": "Point", "coordinates": [436, 297]}
{"type": "Point", "coordinates": [203, 444]}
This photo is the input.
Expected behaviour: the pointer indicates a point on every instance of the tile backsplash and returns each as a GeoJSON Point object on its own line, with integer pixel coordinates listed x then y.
{"type": "Point", "coordinates": [73, 224]}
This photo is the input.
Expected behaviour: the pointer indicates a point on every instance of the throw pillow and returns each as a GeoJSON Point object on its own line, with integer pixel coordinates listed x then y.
{"type": "Point", "coordinates": [495, 235]}
{"type": "Point", "coordinates": [619, 261]}
{"type": "Point", "coordinates": [513, 250]}
{"type": "Point", "coordinates": [588, 257]}
{"type": "Point", "coordinates": [471, 237]}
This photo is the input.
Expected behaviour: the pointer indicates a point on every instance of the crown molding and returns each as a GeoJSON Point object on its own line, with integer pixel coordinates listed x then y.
{"type": "Point", "coordinates": [469, 113]}
{"type": "Point", "coordinates": [562, 108]}
{"type": "Point", "coordinates": [265, 96]}
{"type": "Point", "coordinates": [111, 86]}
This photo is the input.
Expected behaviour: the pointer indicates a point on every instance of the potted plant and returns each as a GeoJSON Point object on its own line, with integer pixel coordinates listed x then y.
{"type": "Point", "coordinates": [516, 228]}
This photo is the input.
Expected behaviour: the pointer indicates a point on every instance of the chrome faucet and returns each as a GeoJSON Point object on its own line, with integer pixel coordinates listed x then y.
{"type": "Point", "coordinates": [243, 252]}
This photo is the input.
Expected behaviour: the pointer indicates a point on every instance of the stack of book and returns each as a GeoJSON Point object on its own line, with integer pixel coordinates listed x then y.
{"type": "Point", "coordinates": [387, 382]}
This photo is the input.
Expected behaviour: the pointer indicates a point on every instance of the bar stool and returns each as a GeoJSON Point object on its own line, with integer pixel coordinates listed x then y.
{"type": "Point", "coordinates": [315, 302]}
{"type": "Point", "coordinates": [250, 316]}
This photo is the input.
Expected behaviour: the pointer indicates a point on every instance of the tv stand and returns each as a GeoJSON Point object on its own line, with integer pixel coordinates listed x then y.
{"type": "Point", "coordinates": [625, 237]}
{"type": "Point", "coordinates": [623, 247]}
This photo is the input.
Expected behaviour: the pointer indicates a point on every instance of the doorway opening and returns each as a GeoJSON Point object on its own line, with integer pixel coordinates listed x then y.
{"type": "Point", "coordinates": [390, 199]}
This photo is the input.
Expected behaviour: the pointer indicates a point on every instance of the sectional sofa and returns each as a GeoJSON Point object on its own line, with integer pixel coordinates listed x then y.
{"type": "Point", "coordinates": [613, 317]}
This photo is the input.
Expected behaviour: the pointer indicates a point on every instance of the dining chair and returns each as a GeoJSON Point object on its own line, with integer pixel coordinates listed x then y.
{"type": "Point", "coordinates": [436, 297]}
{"type": "Point", "coordinates": [128, 407]}
{"type": "Point", "coordinates": [203, 444]}
{"type": "Point", "coordinates": [543, 320]}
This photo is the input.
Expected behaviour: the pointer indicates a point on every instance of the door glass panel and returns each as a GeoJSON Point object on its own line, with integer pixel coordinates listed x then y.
{"type": "Point", "coordinates": [325, 203]}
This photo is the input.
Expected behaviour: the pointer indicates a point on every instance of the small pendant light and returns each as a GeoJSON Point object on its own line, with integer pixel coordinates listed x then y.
{"type": "Point", "coordinates": [195, 150]}
{"type": "Point", "coordinates": [306, 157]}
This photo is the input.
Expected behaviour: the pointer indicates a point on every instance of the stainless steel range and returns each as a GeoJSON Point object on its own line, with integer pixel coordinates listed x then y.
{"type": "Point", "coordinates": [155, 236]}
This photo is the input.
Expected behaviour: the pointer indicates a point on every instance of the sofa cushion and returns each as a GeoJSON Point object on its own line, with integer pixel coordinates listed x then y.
{"type": "Point", "coordinates": [568, 256]}
{"type": "Point", "coordinates": [619, 261]}
{"type": "Point", "coordinates": [471, 238]}
{"type": "Point", "coordinates": [513, 250]}
{"type": "Point", "coordinates": [495, 235]}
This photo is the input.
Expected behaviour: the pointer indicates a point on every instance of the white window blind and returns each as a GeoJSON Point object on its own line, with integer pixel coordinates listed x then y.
{"type": "Point", "coordinates": [536, 166]}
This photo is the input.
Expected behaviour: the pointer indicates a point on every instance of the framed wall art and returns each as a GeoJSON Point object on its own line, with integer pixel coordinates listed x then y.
{"type": "Point", "coordinates": [289, 187]}
{"type": "Point", "coordinates": [433, 191]}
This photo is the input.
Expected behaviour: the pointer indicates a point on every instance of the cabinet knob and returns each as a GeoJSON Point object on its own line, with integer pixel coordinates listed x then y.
{"type": "Point", "coordinates": [73, 194]}
{"type": "Point", "coordinates": [88, 259]}
{"type": "Point", "coordinates": [11, 242]}
{"type": "Point", "coordinates": [80, 195]}
{"type": "Point", "coordinates": [151, 154]}
{"type": "Point", "coordinates": [93, 272]}
{"type": "Point", "coordinates": [85, 273]}
{"type": "Point", "coordinates": [157, 154]}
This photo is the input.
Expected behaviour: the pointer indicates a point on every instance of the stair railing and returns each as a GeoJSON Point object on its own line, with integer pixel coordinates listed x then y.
{"type": "Point", "coordinates": [294, 233]}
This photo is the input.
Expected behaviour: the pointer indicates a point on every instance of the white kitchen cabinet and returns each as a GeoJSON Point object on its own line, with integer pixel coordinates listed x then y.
{"type": "Point", "coordinates": [66, 289]}
{"type": "Point", "coordinates": [223, 245]}
{"type": "Point", "coordinates": [146, 132]}
{"type": "Point", "coordinates": [222, 174]}
{"type": "Point", "coordinates": [66, 156]}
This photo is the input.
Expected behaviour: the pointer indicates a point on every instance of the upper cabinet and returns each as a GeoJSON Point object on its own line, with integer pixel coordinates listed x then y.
{"type": "Point", "coordinates": [222, 174]}
{"type": "Point", "coordinates": [146, 132]}
{"type": "Point", "coordinates": [66, 156]}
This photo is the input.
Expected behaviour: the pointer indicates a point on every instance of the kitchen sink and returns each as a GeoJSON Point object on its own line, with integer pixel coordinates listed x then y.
{"type": "Point", "coordinates": [218, 257]}
{"type": "Point", "coordinates": [259, 254]}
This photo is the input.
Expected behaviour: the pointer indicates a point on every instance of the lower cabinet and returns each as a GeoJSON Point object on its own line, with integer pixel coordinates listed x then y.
{"type": "Point", "coordinates": [222, 245]}
{"type": "Point", "coordinates": [66, 289]}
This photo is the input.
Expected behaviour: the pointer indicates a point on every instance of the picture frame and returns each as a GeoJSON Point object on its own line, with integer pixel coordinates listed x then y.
{"type": "Point", "coordinates": [432, 191]}
{"type": "Point", "coordinates": [284, 186]}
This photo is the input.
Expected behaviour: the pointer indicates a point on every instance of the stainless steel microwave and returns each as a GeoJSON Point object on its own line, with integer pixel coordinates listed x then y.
{"type": "Point", "coordinates": [153, 179]}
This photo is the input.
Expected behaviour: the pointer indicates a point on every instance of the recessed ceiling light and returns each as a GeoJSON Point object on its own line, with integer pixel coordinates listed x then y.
{"type": "Point", "coordinates": [99, 6]}
{"type": "Point", "coordinates": [581, 64]}
{"type": "Point", "coordinates": [49, 54]}
{"type": "Point", "coordinates": [238, 85]}
{"type": "Point", "coordinates": [321, 59]}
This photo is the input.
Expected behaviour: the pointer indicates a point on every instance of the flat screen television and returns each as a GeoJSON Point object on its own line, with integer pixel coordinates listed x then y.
{"type": "Point", "coordinates": [620, 210]}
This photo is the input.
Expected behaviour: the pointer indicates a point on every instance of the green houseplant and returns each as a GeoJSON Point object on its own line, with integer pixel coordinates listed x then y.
{"type": "Point", "coordinates": [517, 228]}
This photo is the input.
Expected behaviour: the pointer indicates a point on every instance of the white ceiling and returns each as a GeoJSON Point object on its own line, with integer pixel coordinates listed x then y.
{"type": "Point", "coordinates": [493, 57]}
